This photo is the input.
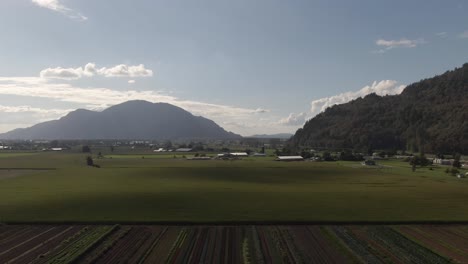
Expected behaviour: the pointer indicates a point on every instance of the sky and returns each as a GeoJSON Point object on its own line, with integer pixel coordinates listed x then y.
{"type": "Point", "coordinates": [252, 66]}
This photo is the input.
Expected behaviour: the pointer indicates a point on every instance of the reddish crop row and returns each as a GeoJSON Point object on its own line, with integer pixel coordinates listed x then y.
{"type": "Point", "coordinates": [233, 244]}
{"type": "Point", "coordinates": [449, 241]}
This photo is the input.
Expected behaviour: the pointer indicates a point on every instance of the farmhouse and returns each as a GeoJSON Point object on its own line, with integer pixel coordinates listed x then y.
{"type": "Point", "coordinates": [290, 158]}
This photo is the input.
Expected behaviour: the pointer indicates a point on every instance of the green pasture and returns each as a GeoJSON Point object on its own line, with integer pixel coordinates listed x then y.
{"type": "Point", "coordinates": [6, 154]}
{"type": "Point", "coordinates": [254, 189]}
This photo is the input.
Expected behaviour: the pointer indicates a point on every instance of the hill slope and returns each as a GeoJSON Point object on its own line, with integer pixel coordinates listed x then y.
{"type": "Point", "coordinates": [129, 120]}
{"type": "Point", "coordinates": [430, 115]}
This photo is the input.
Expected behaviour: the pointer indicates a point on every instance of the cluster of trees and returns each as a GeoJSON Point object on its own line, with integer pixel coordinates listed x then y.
{"type": "Point", "coordinates": [429, 116]}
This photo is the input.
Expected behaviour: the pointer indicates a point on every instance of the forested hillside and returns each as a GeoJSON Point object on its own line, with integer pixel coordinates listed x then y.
{"type": "Point", "coordinates": [430, 116]}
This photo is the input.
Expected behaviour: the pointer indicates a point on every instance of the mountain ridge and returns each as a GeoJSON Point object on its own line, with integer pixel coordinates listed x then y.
{"type": "Point", "coordinates": [428, 116]}
{"type": "Point", "coordinates": [137, 119]}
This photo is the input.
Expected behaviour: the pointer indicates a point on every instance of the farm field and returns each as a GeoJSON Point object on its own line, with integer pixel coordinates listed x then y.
{"type": "Point", "coordinates": [233, 244]}
{"type": "Point", "coordinates": [59, 188]}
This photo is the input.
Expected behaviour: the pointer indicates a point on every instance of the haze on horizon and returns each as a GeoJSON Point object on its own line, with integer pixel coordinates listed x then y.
{"type": "Point", "coordinates": [254, 67]}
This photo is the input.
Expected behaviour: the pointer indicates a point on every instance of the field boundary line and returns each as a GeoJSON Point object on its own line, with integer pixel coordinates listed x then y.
{"type": "Point", "coordinates": [240, 223]}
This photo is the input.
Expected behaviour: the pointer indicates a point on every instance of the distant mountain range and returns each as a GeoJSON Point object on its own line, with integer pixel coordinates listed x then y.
{"type": "Point", "coordinates": [280, 135]}
{"type": "Point", "coordinates": [129, 120]}
{"type": "Point", "coordinates": [429, 116]}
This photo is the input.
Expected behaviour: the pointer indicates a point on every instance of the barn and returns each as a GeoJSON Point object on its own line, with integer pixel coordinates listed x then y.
{"type": "Point", "coordinates": [289, 158]}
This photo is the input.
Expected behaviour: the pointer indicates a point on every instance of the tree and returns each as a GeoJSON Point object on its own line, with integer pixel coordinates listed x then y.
{"type": "Point", "coordinates": [456, 162]}
{"type": "Point", "coordinates": [86, 149]}
{"type": "Point", "coordinates": [419, 160]}
{"type": "Point", "coordinates": [277, 152]}
{"type": "Point", "coordinates": [89, 161]}
{"type": "Point", "coordinates": [54, 144]}
{"type": "Point", "coordinates": [306, 154]}
{"type": "Point", "coordinates": [168, 144]}
{"type": "Point", "coordinates": [225, 150]}
{"type": "Point", "coordinates": [327, 156]}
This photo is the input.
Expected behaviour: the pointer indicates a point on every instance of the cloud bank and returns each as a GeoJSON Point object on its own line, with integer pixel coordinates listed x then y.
{"type": "Point", "coordinates": [57, 6]}
{"type": "Point", "coordinates": [294, 119]}
{"type": "Point", "coordinates": [90, 70]}
{"type": "Point", "coordinates": [401, 43]}
{"type": "Point", "coordinates": [386, 87]}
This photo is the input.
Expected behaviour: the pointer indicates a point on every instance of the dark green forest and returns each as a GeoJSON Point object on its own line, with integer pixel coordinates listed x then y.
{"type": "Point", "coordinates": [428, 116]}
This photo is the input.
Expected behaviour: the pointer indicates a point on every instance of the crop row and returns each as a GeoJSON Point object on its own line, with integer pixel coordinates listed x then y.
{"type": "Point", "coordinates": [449, 241]}
{"type": "Point", "coordinates": [234, 244]}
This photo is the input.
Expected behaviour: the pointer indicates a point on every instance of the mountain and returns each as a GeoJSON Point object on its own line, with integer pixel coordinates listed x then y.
{"type": "Point", "coordinates": [129, 120]}
{"type": "Point", "coordinates": [280, 135]}
{"type": "Point", "coordinates": [430, 116]}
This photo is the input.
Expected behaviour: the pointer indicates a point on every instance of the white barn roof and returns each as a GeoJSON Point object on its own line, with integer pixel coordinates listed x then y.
{"type": "Point", "coordinates": [183, 149]}
{"type": "Point", "coordinates": [239, 154]}
{"type": "Point", "coordinates": [290, 158]}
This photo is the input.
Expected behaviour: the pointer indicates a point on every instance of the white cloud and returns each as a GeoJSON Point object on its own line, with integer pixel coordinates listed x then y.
{"type": "Point", "coordinates": [61, 73]}
{"type": "Point", "coordinates": [463, 35]}
{"type": "Point", "coordinates": [386, 87]}
{"type": "Point", "coordinates": [402, 43]}
{"type": "Point", "coordinates": [294, 119]}
{"type": "Point", "coordinates": [23, 116]}
{"type": "Point", "coordinates": [56, 6]}
{"type": "Point", "coordinates": [29, 109]}
{"type": "Point", "coordinates": [90, 70]}
{"type": "Point", "coordinates": [261, 111]}
{"type": "Point", "coordinates": [123, 70]}
{"type": "Point", "coordinates": [441, 34]}
{"type": "Point", "coordinates": [131, 81]}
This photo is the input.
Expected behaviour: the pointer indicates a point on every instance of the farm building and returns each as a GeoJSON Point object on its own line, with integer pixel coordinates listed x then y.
{"type": "Point", "coordinates": [160, 150]}
{"type": "Point", "coordinates": [239, 154]}
{"type": "Point", "coordinates": [259, 155]}
{"type": "Point", "coordinates": [443, 161]}
{"type": "Point", "coordinates": [56, 149]}
{"type": "Point", "coordinates": [183, 149]}
{"type": "Point", "coordinates": [289, 158]}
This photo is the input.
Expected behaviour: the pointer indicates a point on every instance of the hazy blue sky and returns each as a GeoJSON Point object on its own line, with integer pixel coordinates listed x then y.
{"type": "Point", "coordinates": [253, 66]}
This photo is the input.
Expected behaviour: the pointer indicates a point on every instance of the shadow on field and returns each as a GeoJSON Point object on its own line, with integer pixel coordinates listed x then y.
{"type": "Point", "coordinates": [262, 175]}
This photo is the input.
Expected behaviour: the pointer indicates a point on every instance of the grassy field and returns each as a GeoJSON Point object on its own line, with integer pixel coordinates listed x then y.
{"type": "Point", "coordinates": [131, 189]}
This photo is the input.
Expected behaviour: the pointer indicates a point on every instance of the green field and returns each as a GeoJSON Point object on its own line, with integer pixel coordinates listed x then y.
{"type": "Point", "coordinates": [131, 189]}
